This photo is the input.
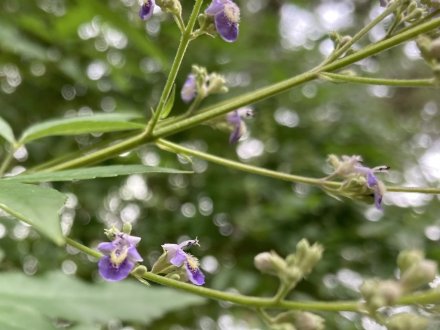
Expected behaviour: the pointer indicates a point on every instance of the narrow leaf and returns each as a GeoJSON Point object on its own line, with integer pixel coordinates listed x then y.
{"type": "Point", "coordinates": [59, 296]}
{"type": "Point", "coordinates": [90, 173]}
{"type": "Point", "coordinates": [6, 131]}
{"type": "Point", "coordinates": [169, 104]}
{"type": "Point", "coordinates": [37, 206]}
{"type": "Point", "coordinates": [99, 123]}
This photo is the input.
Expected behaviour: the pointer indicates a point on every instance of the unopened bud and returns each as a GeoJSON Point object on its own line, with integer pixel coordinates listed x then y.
{"type": "Point", "coordinates": [419, 274]}
{"type": "Point", "coordinates": [126, 228]}
{"type": "Point", "coordinates": [140, 270]}
{"type": "Point", "coordinates": [379, 293]}
{"type": "Point", "coordinates": [407, 321]}
{"type": "Point", "coordinates": [173, 276]}
{"type": "Point", "coordinates": [408, 258]}
{"type": "Point", "coordinates": [270, 263]}
{"type": "Point", "coordinates": [283, 326]}
{"type": "Point", "coordinates": [309, 321]}
{"type": "Point", "coordinates": [307, 256]}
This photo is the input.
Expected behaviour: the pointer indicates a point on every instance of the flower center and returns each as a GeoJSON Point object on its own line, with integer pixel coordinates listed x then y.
{"type": "Point", "coordinates": [232, 12]}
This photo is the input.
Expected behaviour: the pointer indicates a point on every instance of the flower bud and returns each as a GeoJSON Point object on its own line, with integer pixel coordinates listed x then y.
{"type": "Point", "coordinates": [126, 228]}
{"type": "Point", "coordinates": [140, 270]}
{"type": "Point", "coordinates": [270, 263]}
{"type": "Point", "coordinates": [307, 256]}
{"type": "Point", "coordinates": [408, 258]}
{"type": "Point", "coordinates": [309, 321]}
{"type": "Point", "coordinates": [419, 274]}
{"type": "Point", "coordinates": [407, 321]}
{"type": "Point", "coordinates": [379, 293]}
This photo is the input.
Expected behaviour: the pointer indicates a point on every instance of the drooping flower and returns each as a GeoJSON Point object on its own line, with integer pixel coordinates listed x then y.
{"type": "Point", "coordinates": [226, 18]}
{"type": "Point", "coordinates": [178, 257]}
{"type": "Point", "coordinates": [372, 181]}
{"type": "Point", "coordinates": [146, 10]}
{"type": "Point", "coordinates": [189, 89]}
{"type": "Point", "coordinates": [120, 257]}
{"type": "Point", "coordinates": [235, 119]}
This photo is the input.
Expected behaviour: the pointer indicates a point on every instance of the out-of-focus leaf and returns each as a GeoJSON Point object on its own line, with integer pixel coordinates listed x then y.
{"type": "Point", "coordinates": [6, 131]}
{"type": "Point", "coordinates": [169, 105]}
{"type": "Point", "coordinates": [59, 296]}
{"type": "Point", "coordinates": [91, 173]}
{"type": "Point", "coordinates": [20, 317]}
{"type": "Point", "coordinates": [98, 123]}
{"type": "Point", "coordinates": [11, 40]}
{"type": "Point", "coordinates": [37, 206]}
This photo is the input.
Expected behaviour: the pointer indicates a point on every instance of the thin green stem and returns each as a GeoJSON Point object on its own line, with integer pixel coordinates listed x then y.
{"type": "Point", "coordinates": [83, 248]}
{"type": "Point", "coordinates": [378, 81]}
{"type": "Point", "coordinates": [338, 52]}
{"type": "Point", "coordinates": [7, 161]}
{"type": "Point", "coordinates": [414, 190]}
{"type": "Point", "coordinates": [181, 50]}
{"type": "Point", "coordinates": [243, 167]}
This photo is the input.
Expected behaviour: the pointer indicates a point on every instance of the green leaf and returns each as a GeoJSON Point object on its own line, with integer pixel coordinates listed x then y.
{"type": "Point", "coordinates": [90, 173]}
{"type": "Point", "coordinates": [13, 317]}
{"type": "Point", "coordinates": [6, 131]}
{"type": "Point", "coordinates": [99, 123]}
{"type": "Point", "coordinates": [169, 105]}
{"type": "Point", "coordinates": [59, 296]}
{"type": "Point", "coordinates": [37, 206]}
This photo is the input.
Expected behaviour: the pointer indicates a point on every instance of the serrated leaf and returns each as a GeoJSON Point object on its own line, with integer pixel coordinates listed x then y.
{"type": "Point", "coordinates": [98, 123]}
{"type": "Point", "coordinates": [19, 317]}
{"type": "Point", "coordinates": [89, 173]}
{"type": "Point", "coordinates": [37, 206]}
{"type": "Point", "coordinates": [169, 104]}
{"type": "Point", "coordinates": [60, 296]}
{"type": "Point", "coordinates": [6, 131]}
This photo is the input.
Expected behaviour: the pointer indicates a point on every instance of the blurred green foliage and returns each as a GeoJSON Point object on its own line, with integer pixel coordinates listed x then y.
{"type": "Point", "coordinates": [60, 58]}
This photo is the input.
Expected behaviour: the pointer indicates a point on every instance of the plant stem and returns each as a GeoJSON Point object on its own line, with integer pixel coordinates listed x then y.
{"type": "Point", "coordinates": [83, 248]}
{"type": "Point", "coordinates": [5, 164]}
{"type": "Point", "coordinates": [338, 52]}
{"type": "Point", "coordinates": [185, 39]}
{"type": "Point", "coordinates": [378, 81]}
{"type": "Point", "coordinates": [226, 106]}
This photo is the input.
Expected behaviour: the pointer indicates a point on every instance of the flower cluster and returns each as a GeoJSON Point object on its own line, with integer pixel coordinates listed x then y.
{"type": "Point", "coordinates": [120, 255]}
{"type": "Point", "coordinates": [200, 84]}
{"type": "Point", "coordinates": [235, 119]}
{"type": "Point", "coordinates": [226, 15]}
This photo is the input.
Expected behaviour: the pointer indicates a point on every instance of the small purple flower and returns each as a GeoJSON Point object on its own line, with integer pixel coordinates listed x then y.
{"type": "Point", "coordinates": [372, 181]}
{"type": "Point", "coordinates": [226, 18]}
{"type": "Point", "coordinates": [189, 89]}
{"type": "Point", "coordinates": [178, 257]}
{"type": "Point", "coordinates": [146, 10]}
{"type": "Point", "coordinates": [235, 119]}
{"type": "Point", "coordinates": [120, 257]}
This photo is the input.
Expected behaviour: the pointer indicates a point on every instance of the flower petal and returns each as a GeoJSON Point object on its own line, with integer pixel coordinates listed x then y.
{"type": "Point", "coordinates": [215, 7]}
{"type": "Point", "coordinates": [227, 29]}
{"type": "Point", "coordinates": [146, 10]}
{"type": "Point", "coordinates": [195, 275]}
{"type": "Point", "coordinates": [175, 255]}
{"type": "Point", "coordinates": [134, 255]}
{"type": "Point", "coordinates": [113, 273]}
{"type": "Point", "coordinates": [371, 179]}
{"type": "Point", "coordinates": [106, 247]}
{"type": "Point", "coordinates": [189, 89]}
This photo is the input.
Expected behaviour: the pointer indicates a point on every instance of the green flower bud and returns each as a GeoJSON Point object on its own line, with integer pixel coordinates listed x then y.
{"type": "Point", "coordinates": [307, 256]}
{"type": "Point", "coordinates": [309, 321]}
{"type": "Point", "coordinates": [270, 263]}
{"type": "Point", "coordinates": [379, 293]}
{"type": "Point", "coordinates": [419, 274]}
{"type": "Point", "coordinates": [283, 326]}
{"type": "Point", "coordinates": [407, 321]}
{"type": "Point", "coordinates": [408, 258]}
{"type": "Point", "coordinates": [140, 270]}
{"type": "Point", "coordinates": [126, 228]}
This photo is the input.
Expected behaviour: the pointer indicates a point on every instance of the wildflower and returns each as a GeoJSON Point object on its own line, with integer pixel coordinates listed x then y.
{"type": "Point", "coordinates": [372, 181]}
{"type": "Point", "coordinates": [146, 10]}
{"type": "Point", "coordinates": [226, 18]}
{"type": "Point", "coordinates": [235, 119]}
{"type": "Point", "coordinates": [120, 256]}
{"type": "Point", "coordinates": [177, 257]}
{"type": "Point", "coordinates": [189, 89]}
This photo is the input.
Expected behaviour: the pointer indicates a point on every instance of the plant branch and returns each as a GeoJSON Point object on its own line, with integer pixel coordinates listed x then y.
{"type": "Point", "coordinates": [336, 77]}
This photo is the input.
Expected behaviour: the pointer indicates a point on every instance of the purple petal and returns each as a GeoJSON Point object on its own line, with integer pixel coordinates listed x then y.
{"type": "Point", "coordinates": [178, 258]}
{"type": "Point", "coordinates": [215, 7]}
{"type": "Point", "coordinates": [378, 199]}
{"type": "Point", "coordinates": [233, 118]}
{"type": "Point", "coordinates": [227, 29]}
{"type": "Point", "coordinates": [195, 275]}
{"type": "Point", "coordinates": [133, 255]}
{"type": "Point", "coordinates": [371, 179]}
{"type": "Point", "coordinates": [106, 247]}
{"type": "Point", "coordinates": [236, 134]}
{"type": "Point", "coordinates": [146, 10]}
{"type": "Point", "coordinates": [189, 89]}
{"type": "Point", "coordinates": [132, 240]}
{"type": "Point", "coordinates": [113, 273]}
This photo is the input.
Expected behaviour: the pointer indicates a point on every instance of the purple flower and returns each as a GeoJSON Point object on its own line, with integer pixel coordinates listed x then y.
{"type": "Point", "coordinates": [372, 181]}
{"type": "Point", "coordinates": [120, 257]}
{"type": "Point", "coordinates": [226, 17]}
{"type": "Point", "coordinates": [178, 257]}
{"type": "Point", "coordinates": [146, 10]}
{"type": "Point", "coordinates": [189, 89]}
{"type": "Point", "coordinates": [235, 119]}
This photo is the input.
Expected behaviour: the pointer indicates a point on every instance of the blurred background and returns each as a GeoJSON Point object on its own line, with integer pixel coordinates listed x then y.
{"type": "Point", "coordinates": [64, 58]}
